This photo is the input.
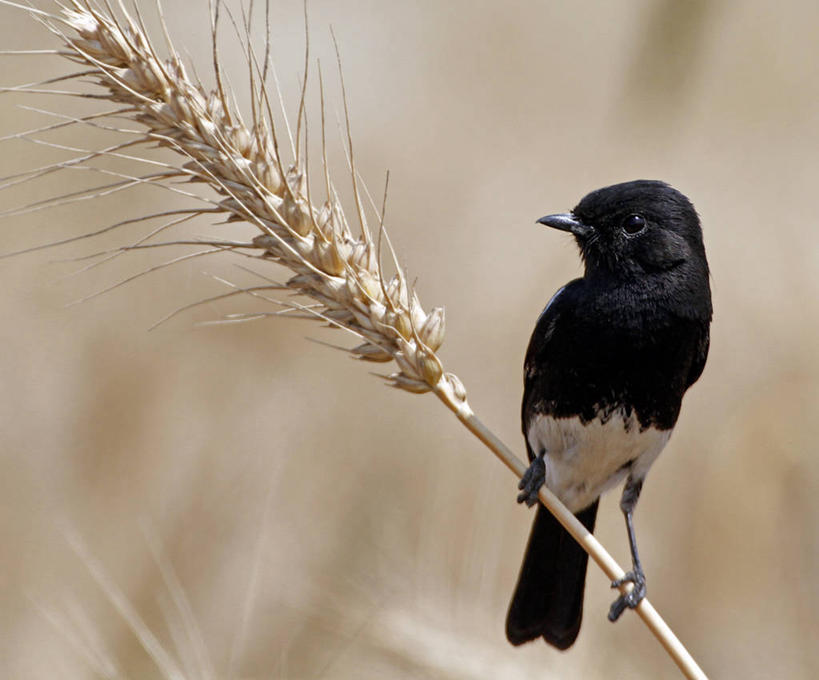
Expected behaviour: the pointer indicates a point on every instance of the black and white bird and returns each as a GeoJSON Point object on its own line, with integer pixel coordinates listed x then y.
{"type": "Point", "coordinates": [608, 363]}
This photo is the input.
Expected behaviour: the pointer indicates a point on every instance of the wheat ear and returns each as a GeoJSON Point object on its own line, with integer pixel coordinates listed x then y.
{"type": "Point", "coordinates": [339, 270]}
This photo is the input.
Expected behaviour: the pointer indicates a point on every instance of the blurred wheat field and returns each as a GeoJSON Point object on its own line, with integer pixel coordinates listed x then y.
{"type": "Point", "coordinates": [322, 526]}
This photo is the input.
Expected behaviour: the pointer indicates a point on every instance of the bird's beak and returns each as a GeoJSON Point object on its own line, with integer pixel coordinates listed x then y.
{"type": "Point", "coordinates": [567, 222]}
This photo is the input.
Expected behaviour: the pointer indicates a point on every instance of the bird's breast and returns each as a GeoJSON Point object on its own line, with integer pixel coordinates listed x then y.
{"type": "Point", "coordinates": [585, 459]}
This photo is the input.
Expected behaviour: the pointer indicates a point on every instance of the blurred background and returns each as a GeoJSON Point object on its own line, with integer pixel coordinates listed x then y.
{"type": "Point", "coordinates": [321, 525]}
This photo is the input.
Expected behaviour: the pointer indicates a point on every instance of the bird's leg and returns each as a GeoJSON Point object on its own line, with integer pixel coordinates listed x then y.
{"type": "Point", "coordinates": [532, 480]}
{"type": "Point", "coordinates": [636, 576]}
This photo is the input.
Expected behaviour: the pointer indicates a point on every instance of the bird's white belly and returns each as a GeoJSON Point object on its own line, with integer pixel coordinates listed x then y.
{"type": "Point", "coordinates": [585, 460]}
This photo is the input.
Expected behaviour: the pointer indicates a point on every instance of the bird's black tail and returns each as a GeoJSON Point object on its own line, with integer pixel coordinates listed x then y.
{"type": "Point", "coordinates": [548, 599]}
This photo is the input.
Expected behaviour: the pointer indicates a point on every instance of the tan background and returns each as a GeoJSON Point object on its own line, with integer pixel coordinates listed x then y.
{"type": "Point", "coordinates": [323, 526]}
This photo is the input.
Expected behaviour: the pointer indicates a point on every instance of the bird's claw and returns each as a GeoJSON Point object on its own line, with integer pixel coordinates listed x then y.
{"type": "Point", "coordinates": [630, 599]}
{"type": "Point", "coordinates": [532, 480]}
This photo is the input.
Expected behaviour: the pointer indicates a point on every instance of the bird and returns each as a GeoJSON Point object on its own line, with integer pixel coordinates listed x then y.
{"type": "Point", "coordinates": [608, 363]}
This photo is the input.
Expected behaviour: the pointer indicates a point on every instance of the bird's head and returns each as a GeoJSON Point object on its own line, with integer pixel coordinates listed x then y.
{"type": "Point", "coordinates": [632, 229]}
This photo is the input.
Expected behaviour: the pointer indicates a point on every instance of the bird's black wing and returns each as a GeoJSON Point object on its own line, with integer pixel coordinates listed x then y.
{"type": "Point", "coordinates": [535, 366]}
{"type": "Point", "coordinates": [554, 366]}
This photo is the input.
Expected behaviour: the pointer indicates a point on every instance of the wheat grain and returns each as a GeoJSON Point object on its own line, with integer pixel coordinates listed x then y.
{"type": "Point", "coordinates": [337, 269]}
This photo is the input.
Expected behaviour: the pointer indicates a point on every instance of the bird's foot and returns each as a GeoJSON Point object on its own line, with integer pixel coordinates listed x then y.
{"type": "Point", "coordinates": [532, 480]}
{"type": "Point", "coordinates": [630, 599]}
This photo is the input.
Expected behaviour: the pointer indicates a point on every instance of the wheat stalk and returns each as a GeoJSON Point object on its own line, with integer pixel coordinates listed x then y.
{"type": "Point", "coordinates": [339, 270]}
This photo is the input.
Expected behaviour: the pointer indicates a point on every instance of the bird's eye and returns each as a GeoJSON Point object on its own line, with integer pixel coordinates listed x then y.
{"type": "Point", "coordinates": [634, 224]}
